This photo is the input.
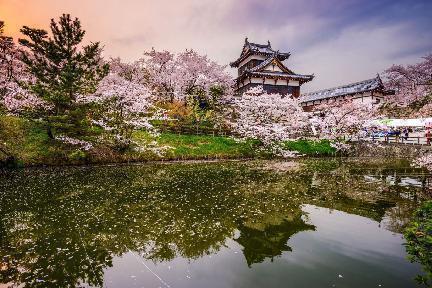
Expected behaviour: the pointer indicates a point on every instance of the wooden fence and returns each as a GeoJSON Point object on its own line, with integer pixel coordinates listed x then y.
{"type": "Point", "coordinates": [397, 140]}
{"type": "Point", "coordinates": [195, 130]}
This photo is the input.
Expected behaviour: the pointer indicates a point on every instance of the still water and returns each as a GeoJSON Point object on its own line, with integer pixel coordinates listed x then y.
{"type": "Point", "coordinates": [311, 223]}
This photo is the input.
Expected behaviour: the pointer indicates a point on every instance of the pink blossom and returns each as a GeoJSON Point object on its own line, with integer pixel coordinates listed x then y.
{"type": "Point", "coordinates": [412, 82]}
{"type": "Point", "coordinates": [13, 97]}
{"type": "Point", "coordinates": [424, 161]}
{"type": "Point", "coordinates": [268, 117]}
{"type": "Point", "coordinates": [72, 141]}
{"type": "Point", "coordinates": [177, 76]}
{"type": "Point", "coordinates": [339, 119]}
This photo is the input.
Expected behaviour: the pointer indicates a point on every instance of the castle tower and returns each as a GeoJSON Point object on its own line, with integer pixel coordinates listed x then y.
{"type": "Point", "coordinates": [259, 64]}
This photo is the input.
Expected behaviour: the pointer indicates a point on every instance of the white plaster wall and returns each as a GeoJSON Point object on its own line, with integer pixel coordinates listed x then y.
{"type": "Point", "coordinates": [270, 81]}
{"type": "Point", "coordinates": [280, 82]}
{"type": "Point", "coordinates": [366, 100]}
{"type": "Point", "coordinates": [294, 83]}
{"type": "Point", "coordinates": [256, 80]}
{"type": "Point", "coordinates": [272, 67]}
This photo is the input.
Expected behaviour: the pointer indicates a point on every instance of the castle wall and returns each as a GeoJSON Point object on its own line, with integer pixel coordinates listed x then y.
{"type": "Point", "coordinates": [279, 89]}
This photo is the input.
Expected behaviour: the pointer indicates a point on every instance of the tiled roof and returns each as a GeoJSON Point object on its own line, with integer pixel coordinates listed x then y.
{"type": "Point", "coordinates": [254, 48]}
{"type": "Point", "coordinates": [260, 48]}
{"type": "Point", "coordinates": [263, 64]}
{"type": "Point", "coordinates": [354, 88]}
{"type": "Point", "coordinates": [264, 49]}
{"type": "Point", "coordinates": [259, 72]}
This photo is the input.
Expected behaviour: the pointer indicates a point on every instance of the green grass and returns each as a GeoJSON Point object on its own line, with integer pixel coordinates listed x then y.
{"type": "Point", "coordinates": [26, 141]}
{"type": "Point", "coordinates": [200, 146]}
{"type": "Point", "coordinates": [29, 144]}
{"type": "Point", "coordinates": [311, 148]}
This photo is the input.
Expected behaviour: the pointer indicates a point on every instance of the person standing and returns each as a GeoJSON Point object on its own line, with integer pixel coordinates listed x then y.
{"type": "Point", "coordinates": [397, 134]}
{"type": "Point", "coordinates": [406, 133]}
{"type": "Point", "coordinates": [428, 136]}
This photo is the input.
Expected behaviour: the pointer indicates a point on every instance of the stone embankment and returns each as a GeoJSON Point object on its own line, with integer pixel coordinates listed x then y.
{"type": "Point", "coordinates": [377, 149]}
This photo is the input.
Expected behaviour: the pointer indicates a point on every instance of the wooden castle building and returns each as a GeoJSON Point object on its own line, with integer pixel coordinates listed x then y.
{"type": "Point", "coordinates": [370, 91]}
{"type": "Point", "coordinates": [261, 65]}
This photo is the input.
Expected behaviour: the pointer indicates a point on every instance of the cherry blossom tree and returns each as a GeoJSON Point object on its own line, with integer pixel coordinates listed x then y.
{"type": "Point", "coordinates": [337, 120]}
{"type": "Point", "coordinates": [13, 98]}
{"type": "Point", "coordinates": [161, 72]}
{"type": "Point", "coordinates": [424, 161]}
{"type": "Point", "coordinates": [7, 53]}
{"type": "Point", "coordinates": [268, 117]}
{"type": "Point", "coordinates": [197, 72]}
{"type": "Point", "coordinates": [187, 76]}
{"type": "Point", "coordinates": [125, 102]}
{"type": "Point", "coordinates": [412, 83]}
{"type": "Point", "coordinates": [425, 111]}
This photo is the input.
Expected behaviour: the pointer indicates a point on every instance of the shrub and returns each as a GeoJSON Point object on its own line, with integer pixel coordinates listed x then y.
{"type": "Point", "coordinates": [419, 241]}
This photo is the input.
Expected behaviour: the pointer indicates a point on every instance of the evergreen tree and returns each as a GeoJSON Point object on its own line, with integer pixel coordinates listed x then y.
{"type": "Point", "coordinates": [64, 72]}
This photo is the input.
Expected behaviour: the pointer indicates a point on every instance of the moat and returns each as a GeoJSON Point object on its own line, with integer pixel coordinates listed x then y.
{"type": "Point", "coordinates": [310, 223]}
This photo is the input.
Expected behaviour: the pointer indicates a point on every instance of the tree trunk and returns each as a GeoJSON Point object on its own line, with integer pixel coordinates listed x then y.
{"type": "Point", "coordinates": [49, 132]}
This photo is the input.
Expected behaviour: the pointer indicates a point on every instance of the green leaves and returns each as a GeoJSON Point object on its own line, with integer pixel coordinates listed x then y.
{"type": "Point", "coordinates": [62, 72]}
{"type": "Point", "coordinates": [419, 241]}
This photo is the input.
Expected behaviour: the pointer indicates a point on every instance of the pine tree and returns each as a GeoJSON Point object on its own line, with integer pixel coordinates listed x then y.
{"type": "Point", "coordinates": [63, 71]}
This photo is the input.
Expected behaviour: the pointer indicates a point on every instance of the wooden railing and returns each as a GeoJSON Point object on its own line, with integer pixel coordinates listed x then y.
{"type": "Point", "coordinates": [410, 140]}
{"type": "Point", "coordinates": [195, 130]}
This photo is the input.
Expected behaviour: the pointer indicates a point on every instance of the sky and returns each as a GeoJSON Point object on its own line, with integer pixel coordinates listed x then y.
{"type": "Point", "coordinates": [339, 41]}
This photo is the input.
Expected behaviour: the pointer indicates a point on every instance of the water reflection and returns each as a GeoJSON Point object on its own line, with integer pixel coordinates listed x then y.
{"type": "Point", "coordinates": [261, 242]}
{"type": "Point", "coordinates": [63, 227]}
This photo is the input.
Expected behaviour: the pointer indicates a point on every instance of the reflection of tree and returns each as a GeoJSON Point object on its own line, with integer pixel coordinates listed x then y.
{"type": "Point", "coordinates": [344, 187]}
{"type": "Point", "coordinates": [62, 226]}
{"type": "Point", "coordinates": [269, 242]}
{"type": "Point", "coordinates": [398, 217]}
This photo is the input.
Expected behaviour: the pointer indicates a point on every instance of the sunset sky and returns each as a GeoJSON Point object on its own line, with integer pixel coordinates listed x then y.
{"type": "Point", "coordinates": [340, 41]}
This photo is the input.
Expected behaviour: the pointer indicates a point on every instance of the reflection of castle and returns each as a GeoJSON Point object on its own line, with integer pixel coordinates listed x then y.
{"type": "Point", "coordinates": [271, 241]}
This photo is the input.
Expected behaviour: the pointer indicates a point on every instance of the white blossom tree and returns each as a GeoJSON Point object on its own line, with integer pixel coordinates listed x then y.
{"type": "Point", "coordinates": [124, 102]}
{"type": "Point", "coordinates": [424, 161]}
{"type": "Point", "coordinates": [161, 73]}
{"type": "Point", "coordinates": [13, 98]}
{"type": "Point", "coordinates": [268, 117]}
{"type": "Point", "coordinates": [177, 77]}
{"type": "Point", "coordinates": [338, 120]}
{"type": "Point", "coordinates": [412, 83]}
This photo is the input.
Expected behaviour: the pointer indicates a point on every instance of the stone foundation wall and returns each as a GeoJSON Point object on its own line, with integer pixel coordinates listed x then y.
{"type": "Point", "coordinates": [367, 149]}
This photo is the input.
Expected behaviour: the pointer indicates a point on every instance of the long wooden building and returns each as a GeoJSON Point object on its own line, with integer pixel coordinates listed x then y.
{"type": "Point", "coordinates": [371, 91]}
{"type": "Point", "coordinates": [259, 64]}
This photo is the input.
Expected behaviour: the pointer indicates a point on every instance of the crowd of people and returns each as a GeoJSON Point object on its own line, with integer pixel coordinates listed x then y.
{"type": "Point", "coordinates": [400, 133]}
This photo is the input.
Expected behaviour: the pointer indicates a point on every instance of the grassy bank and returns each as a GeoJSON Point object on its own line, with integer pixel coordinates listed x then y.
{"type": "Point", "coordinates": [28, 144]}
{"type": "Point", "coordinates": [311, 148]}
